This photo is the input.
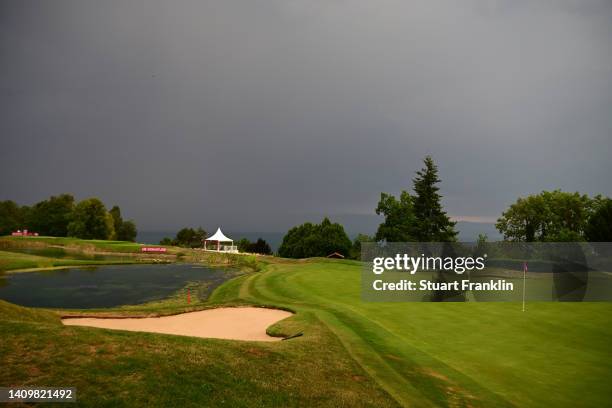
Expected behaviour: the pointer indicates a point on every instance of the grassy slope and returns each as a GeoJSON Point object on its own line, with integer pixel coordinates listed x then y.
{"type": "Point", "coordinates": [16, 261]}
{"type": "Point", "coordinates": [92, 244]}
{"type": "Point", "coordinates": [114, 368]}
{"type": "Point", "coordinates": [452, 354]}
{"type": "Point", "coordinates": [115, 251]}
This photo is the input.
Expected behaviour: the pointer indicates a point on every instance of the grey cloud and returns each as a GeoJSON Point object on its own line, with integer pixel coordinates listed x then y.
{"type": "Point", "coordinates": [259, 114]}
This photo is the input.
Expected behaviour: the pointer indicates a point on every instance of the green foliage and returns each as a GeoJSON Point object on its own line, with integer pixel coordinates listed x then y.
{"type": "Point", "coordinates": [400, 222]}
{"type": "Point", "coordinates": [51, 217]}
{"type": "Point", "coordinates": [124, 230]}
{"type": "Point", "coordinates": [90, 220]}
{"type": "Point", "coordinates": [189, 238]}
{"type": "Point", "coordinates": [115, 212]}
{"type": "Point", "coordinates": [433, 225]}
{"type": "Point", "coordinates": [127, 231]}
{"type": "Point", "coordinates": [258, 247]}
{"type": "Point", "coordinates": [548, 216]}
{"type": "Point", "coordinates": [309, 240]}
{"type": "Point", "coordinates": [166, 241]}
{"type": "Point", "coordinates": [599, 226]}
{"type": "Point", "coordinates": [419, 217]}
{"type": "Point", "coordinates": [243, 245]}
{"type": "Point", "coordinates": [12, 217]}
{"type": "Point", "coordinates": [355, 252]}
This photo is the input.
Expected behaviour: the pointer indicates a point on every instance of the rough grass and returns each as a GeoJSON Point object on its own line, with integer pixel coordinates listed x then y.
{"type": "Point", "coordinates": [115, 368]}
{"type": "Point", "coordinates": [116, 251]}
{"type": "Point", "coordinates": [17, 261]}
{"type": "Point", "coordinates": [92, 244]}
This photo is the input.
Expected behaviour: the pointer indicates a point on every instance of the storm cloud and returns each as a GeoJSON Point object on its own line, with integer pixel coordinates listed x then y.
{"type": "Point", "coordinates": [255, 115]}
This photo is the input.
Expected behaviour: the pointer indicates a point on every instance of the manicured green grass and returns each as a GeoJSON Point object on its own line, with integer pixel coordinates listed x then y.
{"type": "Point", "coordinates": [352, 353]}
{"type": "Point", "coordinates": [452, 354]}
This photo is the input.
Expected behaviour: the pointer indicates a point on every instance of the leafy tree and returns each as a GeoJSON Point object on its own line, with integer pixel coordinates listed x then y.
{"type": "Point", "coordinates": [189, 237]}
{"type": "Point", "coordinates": [599, 226]}
{"type": "Point", "coordinates": [166, 241]}
{"type": "Point", "coordinates": [433, 225]}
{"type": "Point", "coordinates": [332, 238]}
{"type": "Point", "coordinates": [258, 247]}
{"type": "Point", "coordinates": [12, 217]}
{"type": "Point", "coordinates": [125, 230]}
{"type": "Point", "coordinates": [400, 222]}
{"type": "Point", "coordinates": [243, 245]}
{"type": "Point", "coordinates": [90, 220]}
{"type": "Point", "coordinates": [52, 216]}
{"type": "Point", "coordinates": [115, 212]}
{"type": "Point", "coordinates": [308, 240]}
{"type": "Point", "coordinates": [294, 243]}
{"type": "Point", "coordinates": [355, 252]}
{"type": "Point", "coordinates": [548, 216]}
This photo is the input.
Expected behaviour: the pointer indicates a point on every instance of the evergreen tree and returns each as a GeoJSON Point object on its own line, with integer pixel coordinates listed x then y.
{"type": "Point", "coordinates": [124, 230]}
{"type": "Point", "coordinates": [433, 225]}
{"type": "Point", "coordinates": [115, 212]}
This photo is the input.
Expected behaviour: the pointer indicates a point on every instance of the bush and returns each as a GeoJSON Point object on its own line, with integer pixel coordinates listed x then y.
{"type": "Point", "coordinates": [308, 240]}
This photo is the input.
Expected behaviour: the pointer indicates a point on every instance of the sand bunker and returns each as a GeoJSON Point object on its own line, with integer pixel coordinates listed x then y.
{"type": "Point", "coordinates": [235, 323]}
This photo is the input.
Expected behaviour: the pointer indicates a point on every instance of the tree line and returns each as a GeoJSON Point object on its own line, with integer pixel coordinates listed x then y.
{"type": "Point", "coordinates": [557, 216]}
{"type": "Point", "coordinates": [418, 216]}
{"type": "Point", "coordinates": [193, 238]}
{"type": "Point", "coordinates": [62, 216]}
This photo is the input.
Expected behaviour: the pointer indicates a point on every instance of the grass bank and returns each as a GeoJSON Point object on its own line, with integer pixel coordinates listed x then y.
{"type": "Point", "coordinates": [114, 368]}
{"type": "Point", "coordinates": [27, 253]}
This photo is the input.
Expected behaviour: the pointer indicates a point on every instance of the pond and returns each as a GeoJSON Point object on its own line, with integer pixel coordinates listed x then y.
{"type": "Point", "coordinates": [107, 286]}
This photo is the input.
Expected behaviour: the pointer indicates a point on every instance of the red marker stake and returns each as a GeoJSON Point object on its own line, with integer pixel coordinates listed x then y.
{"type": "Point", "coordinates": [188, 297]}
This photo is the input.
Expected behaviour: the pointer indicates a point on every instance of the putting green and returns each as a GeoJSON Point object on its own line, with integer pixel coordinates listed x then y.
{"type": "Point", "coordinates": [450, 354]}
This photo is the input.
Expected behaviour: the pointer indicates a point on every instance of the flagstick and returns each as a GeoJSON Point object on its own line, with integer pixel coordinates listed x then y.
{"type": "Point", "coordinates": [524, 278]}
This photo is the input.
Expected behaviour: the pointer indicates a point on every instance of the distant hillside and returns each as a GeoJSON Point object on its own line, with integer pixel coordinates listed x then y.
{"type": "Point", "coordinates": [468, 231]}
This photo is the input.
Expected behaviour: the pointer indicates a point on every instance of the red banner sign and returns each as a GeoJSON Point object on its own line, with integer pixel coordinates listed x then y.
{"type": "Point", "coordinates": [153, 249]}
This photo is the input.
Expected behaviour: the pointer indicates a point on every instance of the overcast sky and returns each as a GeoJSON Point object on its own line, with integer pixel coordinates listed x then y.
{"type": "Point", "coordinates": [259, 114]}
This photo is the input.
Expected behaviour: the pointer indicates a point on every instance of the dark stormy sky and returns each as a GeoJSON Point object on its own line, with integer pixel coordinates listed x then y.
{"type": "Point", "coordinates": [256, 115]}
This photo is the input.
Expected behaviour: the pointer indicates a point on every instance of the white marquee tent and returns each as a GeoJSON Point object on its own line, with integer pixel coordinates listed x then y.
{"type": "Point", "coordinates": [219, 238]}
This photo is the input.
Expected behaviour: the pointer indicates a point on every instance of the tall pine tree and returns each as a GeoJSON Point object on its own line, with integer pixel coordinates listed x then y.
{"type": "Point", "coordinates": [433, 225]}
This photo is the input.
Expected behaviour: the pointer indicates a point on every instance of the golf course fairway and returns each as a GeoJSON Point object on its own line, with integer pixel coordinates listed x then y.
{"type": "Point", "coordinates": [451, 354]}
{"type": "Point", "coordinates": [351, 353]}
